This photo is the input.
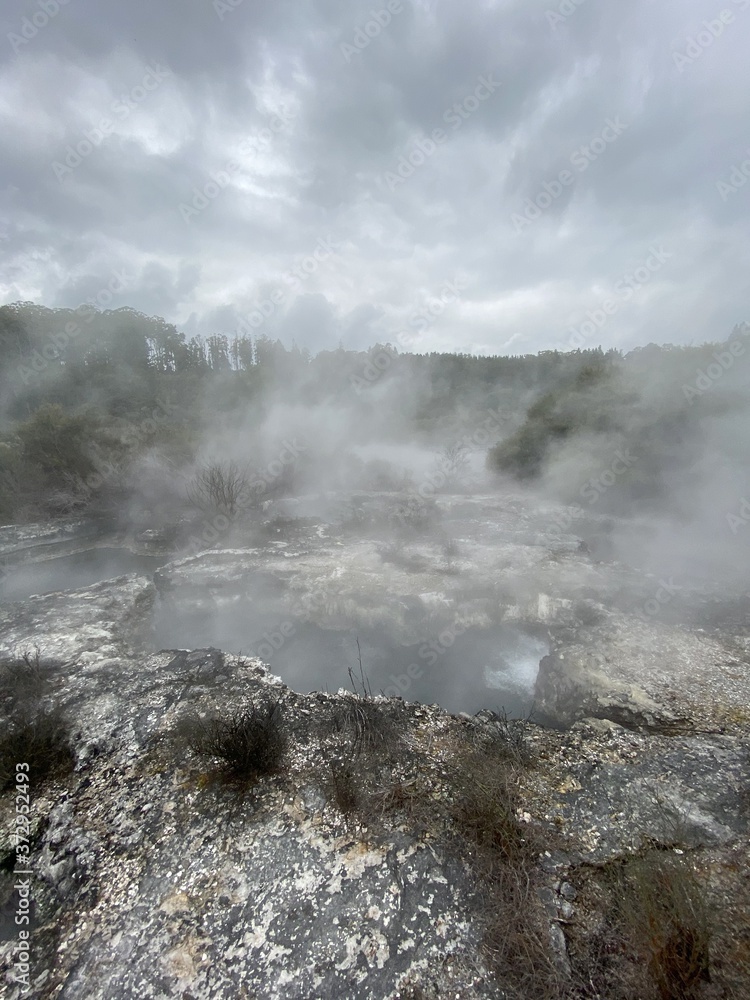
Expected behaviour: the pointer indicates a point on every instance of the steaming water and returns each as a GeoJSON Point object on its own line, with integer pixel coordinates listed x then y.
{"type": "Point", "coordinates": [482, 668]}
{"type": "Point", "coordinates": [491, 668]}
{"type": "Point", "coordinates": [71, 572]}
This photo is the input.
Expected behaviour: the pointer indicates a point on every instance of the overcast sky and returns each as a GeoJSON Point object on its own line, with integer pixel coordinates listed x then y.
{"type": "Point", "coordinates": [462, 175]}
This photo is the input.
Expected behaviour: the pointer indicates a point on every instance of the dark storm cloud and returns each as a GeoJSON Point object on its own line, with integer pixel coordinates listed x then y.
{"type": "Point", "coordinates": [539, 148]}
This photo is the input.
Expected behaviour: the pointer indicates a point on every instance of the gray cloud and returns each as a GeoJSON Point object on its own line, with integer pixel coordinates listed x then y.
{"type": "Point", "coordinates": [295, 122]}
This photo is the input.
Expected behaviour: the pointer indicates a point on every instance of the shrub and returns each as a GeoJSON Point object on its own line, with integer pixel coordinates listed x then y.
{"type": "Point", "coordinates": [413, 514]}
{"type": "Point", "coordinates": [484, 813]}
{"type": "Point", "coordinates": [503, 852]}
{"type": "Point", "coordinates": [39, 738]}
{"type": "Point", "coordinates": [393, 552]}
{"type": "Point", "coordinates": [663, 913]}
{"type": "Point", "coordinates": [250, 743]}
{"type": "Point", "coordinates": [451, 549]}
{"type": "Point", "coordinates": [222, 488]}
{"type": "Point", "coordinates": [652, 934]}
{"type": "Point", "coordinates": [32, 733]}
{"type": "Point", "coordinates": [365, 721]}
{"type": "Point", "coordinates": [22, 682]}
{"type": "Point", "coordinates": [503, 740]}
{"type": "Point", "coordinates": [344, 787]}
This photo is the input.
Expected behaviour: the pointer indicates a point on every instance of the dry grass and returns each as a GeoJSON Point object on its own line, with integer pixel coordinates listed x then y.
{"type": "Point", "coordinates": [662, 912]}
{"type": "Point", "coordinates": [344, 788]}
{"type": "Point", "coordinates": [33, 733]}
{"type": "Point", "coordinates": [652, 930]}
{"type": "Point", "coordinates": [366, 723]}
{"type": "Point", "coordinates": [503, 852]}
{"type": "Point", "coordinates": [23, 681]}
{"type": "Point", "coordinates": [39, 738]}
{"type": "Point", "coordinates": [249, 743]}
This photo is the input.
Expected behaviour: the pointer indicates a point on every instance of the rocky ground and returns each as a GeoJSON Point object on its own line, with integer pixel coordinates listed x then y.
{"type": "Point", "coordinates": [398, 850]}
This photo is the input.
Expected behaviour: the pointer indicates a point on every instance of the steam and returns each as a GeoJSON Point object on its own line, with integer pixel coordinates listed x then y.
{"type": "Point", "coordinates": [641, 461]}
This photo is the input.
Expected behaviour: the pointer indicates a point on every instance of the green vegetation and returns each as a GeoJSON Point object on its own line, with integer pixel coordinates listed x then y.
{"type": "Point", "coordinates": [116, 411]}
{"type": "Point", "coordinates": [593, 402]}
{"type": "Point", "coordinates": [93, 400]}
{"type": "Point", "coordinates": [640, 415]}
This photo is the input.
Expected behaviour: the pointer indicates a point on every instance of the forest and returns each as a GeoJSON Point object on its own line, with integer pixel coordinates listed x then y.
{"type": "Point", "coordinates": [114, 414]}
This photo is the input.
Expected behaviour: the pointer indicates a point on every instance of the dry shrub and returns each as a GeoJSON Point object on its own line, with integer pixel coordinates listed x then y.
{"type": "Point", "coordinates": [39, 738]}
{"type": "Point", "coordinates": [32, 733]}
{"type": "Point", "coordinates": [366, 723]}
{"type": "Point", "coordinates": [663, 913]}
{"type": "Point", "coordinates": [503, 852]}
{"type": "Point", "coordinates": [249, 743]}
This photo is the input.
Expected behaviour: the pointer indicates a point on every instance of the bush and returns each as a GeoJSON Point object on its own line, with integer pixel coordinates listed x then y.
{"type": "Point", "coordinates": [593, 402]}
{"type": "Point", "coordinates": [23, 681]}
{"type": "Point", "coordinates": [250, 743]}
{"type": "Point", "coordinates": [221, 488]}
{"type": "Point", "coordinates": [32, 733]}
{"type": "Point", "coordinates": [395, 553]}
{"type": "Point", "coordinates": [652, 932]}
{"type": "Point", "coordinates": [663, 914]}
{"type": "Point", "coordinates": [450, 548]}
{"type": "Point", "coordinates": [413, 514]}
{"type": "Point", "coordinates": [344, 787]}
{"type": "Point", "coordinates": [39, 738]}
{"type": "Point", "coordinates": [484, 813]}
{"type": "Point", "coordinates": [58, 442]}
{"type": "Point", "coordinates": [365, 721]}
{"type": "Point", "coordinates": [503, 853]}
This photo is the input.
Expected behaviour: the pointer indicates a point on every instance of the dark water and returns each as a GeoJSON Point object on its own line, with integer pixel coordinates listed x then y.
{"type": "Point", "coordinates": [493, 668]}
{"type": "Point", "coordinates": [490, 668]}
{"type": "Point", "coordinates": [72, 572]}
